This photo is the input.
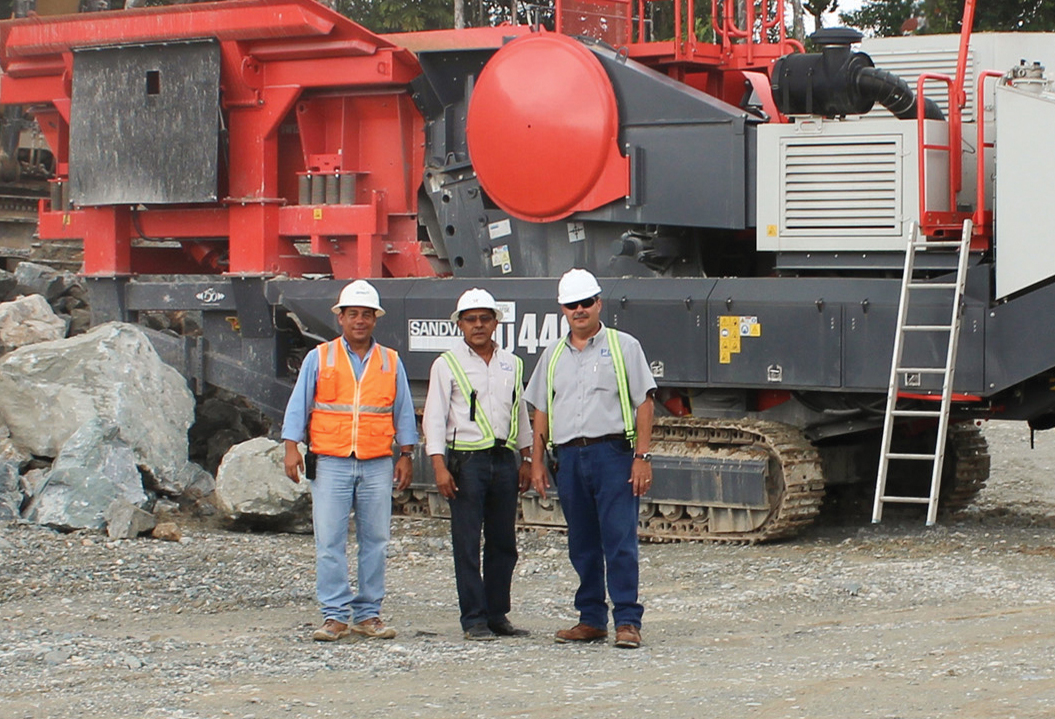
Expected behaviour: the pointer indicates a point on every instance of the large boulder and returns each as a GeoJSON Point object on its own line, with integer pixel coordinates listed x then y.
{"type": "Point", "coordinates": [28, 320]}
{"type": "Point", "coordinates": [111, 374]}
{"type": "Point", "coordinates": [252, 488]}
{"type": "Point", "coordinates": [94, 468]}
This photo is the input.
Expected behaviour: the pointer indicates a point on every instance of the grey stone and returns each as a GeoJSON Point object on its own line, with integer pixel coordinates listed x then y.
{"type": "Point", "coordinates": [43, 280]}
{"type": "Point", "coordinates": [28, 320]}
{"type": "Point", "coordinates": [94, 468]}
{"type": "Point", "coordinates": [125, 520]}
{"type": "Point", "coordinates": [32, 481]}
{"type": "Point", "coordinates": [8, 285]}
{"type": "Point", "coordinates": [9, 451]}
{"type": "Point", "coordinates": [10, 492]}
{"type": "Point", "coordinates": [252, 487]}
{"type": "Point", "coordinates": [112, 373]}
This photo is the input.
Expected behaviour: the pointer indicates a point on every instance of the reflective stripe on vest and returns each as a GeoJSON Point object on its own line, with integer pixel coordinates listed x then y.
{"type": "Point", "coordinates": [352, 415]}
{"type": "Point", "coordinates": [621, 381]}
{"type": "Point", "coordinates": [482, 423]}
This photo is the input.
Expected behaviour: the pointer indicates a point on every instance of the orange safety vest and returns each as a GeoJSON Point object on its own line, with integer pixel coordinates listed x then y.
{"type": "Point", "coordinates": [352, 416]}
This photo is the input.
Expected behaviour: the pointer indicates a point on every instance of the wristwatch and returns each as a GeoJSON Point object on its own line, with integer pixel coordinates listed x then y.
{"type": "Point", "coordinates": [646, 456]}
{"type": "Point", "coordinates": [527, 459]}
{"type": "Point", "coordinates": [408, 455]}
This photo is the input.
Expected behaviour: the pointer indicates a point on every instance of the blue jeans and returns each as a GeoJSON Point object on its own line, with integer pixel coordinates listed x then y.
{"type": "Point", "coordinates": [341, 484]}
{"type": "Point", "coordinates": [487, 498]}
{"type": "Point", "coordinates": [601, 511]}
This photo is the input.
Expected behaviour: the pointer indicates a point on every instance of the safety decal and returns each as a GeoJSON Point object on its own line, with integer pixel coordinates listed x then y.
{"type": "Point", "coordinates": [731, 328]}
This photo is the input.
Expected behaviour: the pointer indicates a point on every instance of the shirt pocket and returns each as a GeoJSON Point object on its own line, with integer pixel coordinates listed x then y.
{"type": "Point", "coordinates": [326, 385]}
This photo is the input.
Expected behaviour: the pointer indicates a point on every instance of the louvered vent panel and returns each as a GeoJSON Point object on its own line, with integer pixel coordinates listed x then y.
{"type": "Point", "coordinates": [910, 65]}
{"type": "Point", "coordinates": [848, 187]}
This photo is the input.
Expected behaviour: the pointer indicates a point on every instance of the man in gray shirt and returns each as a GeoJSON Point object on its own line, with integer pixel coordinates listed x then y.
{"type": "Point", "coordinates": [592, 393]}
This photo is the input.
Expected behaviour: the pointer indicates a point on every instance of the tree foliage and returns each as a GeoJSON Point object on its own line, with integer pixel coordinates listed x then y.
{"type": "Point", "coordinates": [888, 17]}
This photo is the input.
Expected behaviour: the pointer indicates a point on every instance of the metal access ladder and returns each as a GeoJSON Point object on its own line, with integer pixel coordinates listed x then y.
{"type": "Point", "coordinates": [911, 285]}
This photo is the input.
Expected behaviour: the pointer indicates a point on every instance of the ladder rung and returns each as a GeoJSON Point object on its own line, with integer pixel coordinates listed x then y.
{"type": "Point", "coordinates": [906, 500]}
{"type": "Point", "coordinates": [932, 285]}
{"type": "Point", "coordinates": [916, 413]}
{"type": "Point", "coordinates": [927, 328]}
{"type": "Point", "coordinates": [922, 370]}
{"type": "Point", "coordinates": [910, 455]}
{"type": "Point", "coordinates": [935, 245]}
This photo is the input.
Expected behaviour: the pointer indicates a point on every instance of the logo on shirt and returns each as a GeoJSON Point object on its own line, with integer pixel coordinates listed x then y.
{"type": "Point", "coordinates": [505, 366]}
{"type": "Point", "coordinates": [605, 352]}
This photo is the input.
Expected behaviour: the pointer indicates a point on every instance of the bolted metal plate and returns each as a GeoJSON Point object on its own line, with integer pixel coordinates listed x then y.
{"type": "Point", "coordinates": [144, 124]}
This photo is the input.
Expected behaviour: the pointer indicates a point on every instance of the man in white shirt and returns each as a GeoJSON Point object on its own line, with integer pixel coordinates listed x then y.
{"type": "Point", "coordinates": [475, 422]}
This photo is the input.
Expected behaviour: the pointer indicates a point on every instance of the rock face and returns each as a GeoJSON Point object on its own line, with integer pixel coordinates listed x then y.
{"type": "Point", "coordinates": [252, 488]}
{"type": "Point", "coordinates": [94, 468]}
{"type": "Point", "coordinates": [28, 320]}
{"type": "Point", "coordinates": [112, 375]}
{"type": "Point", "coordinates": [10, 493]}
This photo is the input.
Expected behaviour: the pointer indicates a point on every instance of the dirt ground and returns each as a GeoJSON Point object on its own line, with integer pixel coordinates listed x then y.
{"type": "Point", "coordinates": [849, 620]}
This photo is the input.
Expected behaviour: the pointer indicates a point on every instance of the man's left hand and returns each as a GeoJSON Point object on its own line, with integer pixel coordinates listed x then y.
{"type": "Point", "coordinates": [403, 472]}
{"type": "Point", "coordinates": [641, 477]}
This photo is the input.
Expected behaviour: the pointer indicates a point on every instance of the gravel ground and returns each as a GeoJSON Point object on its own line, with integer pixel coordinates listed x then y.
{"type": "Point", "coordinates": [849, 620]}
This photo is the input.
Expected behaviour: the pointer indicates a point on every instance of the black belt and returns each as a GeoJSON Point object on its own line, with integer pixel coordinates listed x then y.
{"type": "Point", "coordinates": [587, 441]}
{"type": "Point", "coordinates": [499, 444]}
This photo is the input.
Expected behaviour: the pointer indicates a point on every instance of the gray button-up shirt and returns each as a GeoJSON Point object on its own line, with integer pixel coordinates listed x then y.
{"type": "Point", "coordinates": [446, 409]}
{"type": "Point", "coordinates": [586, 395]}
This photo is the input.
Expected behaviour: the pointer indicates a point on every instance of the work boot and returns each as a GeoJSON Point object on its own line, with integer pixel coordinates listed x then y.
{"type": "Point", "coordinates": [331, 630]}
{"type": "Point", "coordinates": [480, 633]}
{"type": "Point", "coordinates": [627, 636]}
{"type": "Point", "coordinates": [581, 633]}
{"type": "Point", "coordinates": [373, 628]}
{"type": "Point", "coordinates": [504, 628]}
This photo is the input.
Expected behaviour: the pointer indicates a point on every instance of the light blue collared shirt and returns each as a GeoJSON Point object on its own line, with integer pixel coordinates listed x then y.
{"type": "Point", "coordinates": [298, 409]}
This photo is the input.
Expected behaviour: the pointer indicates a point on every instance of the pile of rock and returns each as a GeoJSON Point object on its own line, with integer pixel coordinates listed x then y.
{"type": "Point", "coordinates": [38, 304]}
{"type": "Point", "coordinates": [94, 427]}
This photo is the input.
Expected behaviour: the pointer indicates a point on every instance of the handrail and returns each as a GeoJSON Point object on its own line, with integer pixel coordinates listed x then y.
{"type": "Point", "coordinates": [979, 118]}
{"type": "Point", "coordinates": [923, 145]}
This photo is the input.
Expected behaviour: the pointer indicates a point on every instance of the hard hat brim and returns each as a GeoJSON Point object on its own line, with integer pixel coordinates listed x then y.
{"type": "Point", "coordinates": [456, 315]}
{"type": "Point", "coordinates": [378, 312]}
{"type": "Point", "coordinates": [576, 297]}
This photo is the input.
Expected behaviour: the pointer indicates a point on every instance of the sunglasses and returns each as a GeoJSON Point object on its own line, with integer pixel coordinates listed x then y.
{"type": "Point", "coordinates": [585, 304]}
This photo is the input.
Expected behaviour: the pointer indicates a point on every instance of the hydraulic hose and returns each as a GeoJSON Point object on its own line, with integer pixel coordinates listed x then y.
{"type": "Point", "coordinates": [893, 93]}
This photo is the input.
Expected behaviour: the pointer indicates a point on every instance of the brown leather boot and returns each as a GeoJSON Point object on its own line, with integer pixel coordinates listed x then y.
{"type": "Point", "coordinates": [627, 636]}
{"type": "Point", "coordinates": [581, 633]}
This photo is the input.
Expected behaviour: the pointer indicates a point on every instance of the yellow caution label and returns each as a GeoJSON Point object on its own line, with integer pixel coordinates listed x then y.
{"type": "Point", "coordinates": [317, 213]}
{"type": "Point", "coordinates": [771, 230]}
{"type": "Point", "coordinates": [731, 328]}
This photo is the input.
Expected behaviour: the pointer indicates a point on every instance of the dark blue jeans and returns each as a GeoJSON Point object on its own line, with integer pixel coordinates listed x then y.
{"type": "Point", "coordinates": [486, 499]}
{"type": "Point", "coordinates": [601, 511]}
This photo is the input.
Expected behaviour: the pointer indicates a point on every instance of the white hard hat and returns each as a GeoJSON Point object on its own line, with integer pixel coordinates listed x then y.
{"type": "Point", "coordinates": [476, 299]}
{"type": "Point", "coordinates": [359, 294]}
{"type": "Point", "coordinates": [577, 285]}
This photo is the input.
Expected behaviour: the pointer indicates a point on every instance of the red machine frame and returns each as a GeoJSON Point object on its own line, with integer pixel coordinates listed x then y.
{"type": "Point", "coordinates": [341, 91]}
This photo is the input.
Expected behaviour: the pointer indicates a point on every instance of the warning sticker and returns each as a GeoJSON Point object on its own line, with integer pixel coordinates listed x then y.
{"type": "Point", "coordinates": [731, 328]}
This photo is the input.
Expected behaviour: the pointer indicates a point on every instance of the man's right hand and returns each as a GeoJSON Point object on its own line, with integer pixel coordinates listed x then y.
{"type": "Point", "coordinates": [445, 482]}
{"type": "Point", "coordinates": [539, 477]}
{"type": "Point", "coordinates": [294, 462]}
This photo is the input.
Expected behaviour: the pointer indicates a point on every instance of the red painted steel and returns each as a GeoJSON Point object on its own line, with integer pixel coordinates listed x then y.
{"type": "Point", "coordinates": [545, 150]}
{"type": "Point", "coordinates": [299, 82]}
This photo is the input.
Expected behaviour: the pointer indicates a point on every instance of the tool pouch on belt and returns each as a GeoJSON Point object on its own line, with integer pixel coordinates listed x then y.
{"type": "Point", "coordinates": [311, 462]}
{"type": "Point", "coordinates": [454, 462]}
